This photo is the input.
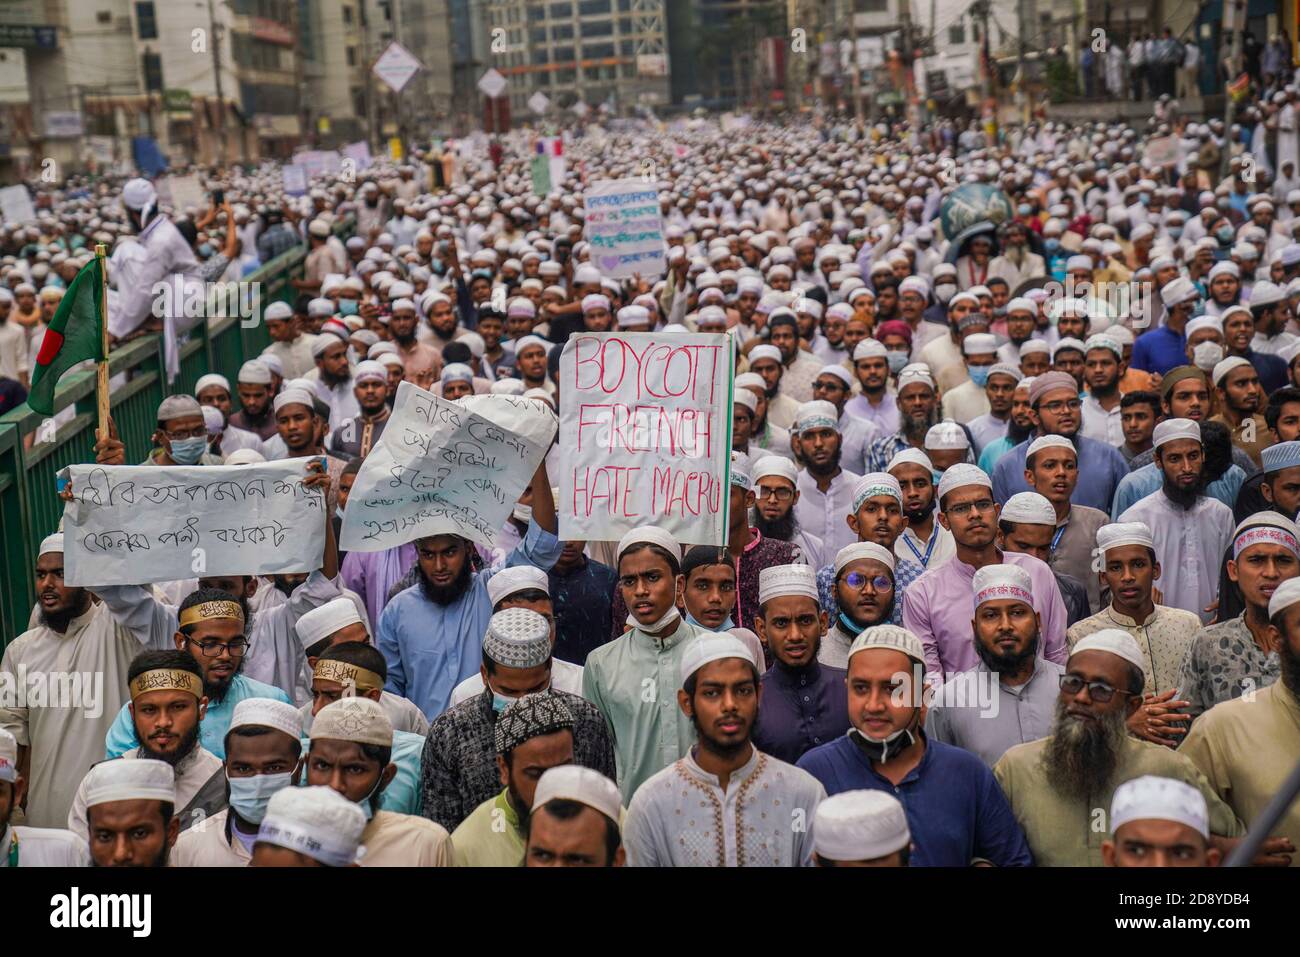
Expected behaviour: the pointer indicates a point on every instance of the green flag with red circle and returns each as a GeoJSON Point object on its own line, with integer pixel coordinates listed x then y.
{"type": "Point", "coordinates": [74, 335]}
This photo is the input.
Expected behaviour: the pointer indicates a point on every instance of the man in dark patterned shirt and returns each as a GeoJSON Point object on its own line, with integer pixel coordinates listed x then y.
{"type": "Point", "coordinates": [459, 768]}
{"type": "Point", "coordinates": [582, 592]}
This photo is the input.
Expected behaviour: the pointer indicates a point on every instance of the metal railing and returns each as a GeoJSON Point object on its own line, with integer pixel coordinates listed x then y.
{"type": "Point", "coordinates": [34, 447]}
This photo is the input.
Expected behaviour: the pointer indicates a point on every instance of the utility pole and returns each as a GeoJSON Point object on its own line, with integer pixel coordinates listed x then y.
{"type": "Point", "coordinates": [908, 51]}
{"type": "Point", "coordinates": [214, 41]}
{"type": "Point", "coordinates": [1234, 18]}
{"type": "Point", "coordinates": [1022, 28]}
{"type": "Point", "coordinates": [368, 79]}
{"type": "Point", "coordinates": [980, 11]}
{"type": "Point", "coordinates": [855, 84]}
{"type": "Point", "coordinates": [396, 7]}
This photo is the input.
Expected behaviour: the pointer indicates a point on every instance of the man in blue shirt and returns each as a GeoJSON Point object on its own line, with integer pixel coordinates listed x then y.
{"type": "Point", "coordinates": [956, 812]}
{"type": "Point", "coordinates": [1057, 410]}
{"type": "Point", "coordinates": [1163, 348]}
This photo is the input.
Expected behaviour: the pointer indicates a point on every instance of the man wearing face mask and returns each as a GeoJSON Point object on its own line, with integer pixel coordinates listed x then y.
{"type": "Point", "coordinates": [351, 751]}
{"type": "Point", "coordinates": [709, 597]}
{"type": "Point", "coordinates": [181, 437]}
{"type": "Point", "coordinates": [459, 769]}
{"type": "Point", "coordinates": [263, 751]}
{"type": "Point", "coordinates": [968, 401]}
{"type": "Point", "coordinates": [956, 814]}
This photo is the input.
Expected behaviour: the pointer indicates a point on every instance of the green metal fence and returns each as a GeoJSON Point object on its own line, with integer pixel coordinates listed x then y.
{"type": "Point", "coordinates": [34, 448]}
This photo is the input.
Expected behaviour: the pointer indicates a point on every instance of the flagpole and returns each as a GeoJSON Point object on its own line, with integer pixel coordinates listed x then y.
{"type": "Point", "coordinates": [101, 384]}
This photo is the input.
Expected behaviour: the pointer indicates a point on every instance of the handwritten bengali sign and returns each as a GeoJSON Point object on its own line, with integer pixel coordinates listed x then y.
{"type": "Point", "coordinates": [446, 468]}
{"type": "Point", "coordinates": [645, 424]}
{"type": "Point", "coordinates": [132, 524]}
{"type": "Point", "coordinates": [624, 227]}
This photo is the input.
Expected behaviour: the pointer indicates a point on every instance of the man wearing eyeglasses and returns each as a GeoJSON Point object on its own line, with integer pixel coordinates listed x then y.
{"type": "Point", "coordinates": [938, 607]}
{"type": "Point", "coordinates": [181, 437]}
{"type": "Point", "coordinates": [1056, 410]}
{"type": "Point", "coordinates": [775, 497]}
{"type": "Point", "coordinates": [1055, 784]}
{"type": "Point", "coordinates": [168, 700]}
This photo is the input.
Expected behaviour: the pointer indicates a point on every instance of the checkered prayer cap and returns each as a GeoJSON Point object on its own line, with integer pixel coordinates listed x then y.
{"type": "Point", "coordinates": [518, 638]}
{"type": "Point", "coordinates": [530, 717]}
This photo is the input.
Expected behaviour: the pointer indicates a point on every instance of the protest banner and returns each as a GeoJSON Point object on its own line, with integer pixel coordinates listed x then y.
{"type": "Point", "coordinates": [295, 179]}
{"type": "Point", "coordinates": [645, 423]}
{"type": "Point", "coordinates": [359, 153]}
{"type": "Point", "coordinates": [16, 205]}
{"type": "Point", "coordinates": [1162, 151]}
{"type": "Point", "coordinates": [132, 524]}
{"type": "Point", "coordinates": [446, 468]}
{"type": "Point", "coordinates": [624, 227]}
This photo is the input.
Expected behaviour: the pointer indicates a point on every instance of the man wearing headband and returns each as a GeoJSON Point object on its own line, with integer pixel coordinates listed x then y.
{"type": "Point", "coordinates": [458, 765]}
{"type": "Point", "coordinates": [574, 821]}
{"type": "Point", "coordinates": [735, 801]}
{"type": "Point", "coordinates": [1159, 822]}
{"type": "Point", "coordinates": [30, 846]}
{"type": "Point", "coordinates": [1239, 657]}
{"type": "Point", "coordinates": [431, 633]}
{"type": "Point", "coordinates": [644, 661]}
{"type": "Point", "coordinates": [1055, 784]}
{"type": "Point", "coordinates": [359, 434]}
{"type": "Point", "coordinates": [804, 702]}
{"type": "Point", "coordinates": [352, 751]}
{"type": "Point", "coordinates": [955, 812]}
{"type": "Point", "coordinates": [1191, 529]}
{"type": "Point", "coordinates": [263, 749]}
{"type": "Point", "coordinates": [1247, 746]}
{"type": "Point", "coordinates": [309, 827]}
{"type": "Point", "coordinates": [167, 704]}
{"type": "Point", "coordinates": [1006, 699]}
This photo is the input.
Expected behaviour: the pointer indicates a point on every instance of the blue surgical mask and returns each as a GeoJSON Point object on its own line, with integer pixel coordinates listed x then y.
{"type": "Point", "coordinates": [348, 307]}
{"type": "Point", "coordinates": [1051, 244]}
{"type": "Point", "coordinates": [1024, 209]}
{"type": "Point", "coordinates": [1144, 198]}
{"type": "Point", "coordinates": [937, 475]}
{"type": "Point", "coordinates": [250, 796]}
{"type": "Point", "coordinates": [188, 451]}
{"type": "Point", "coordinates": [897, 358]}
{"type": "Point", "coordinates": [725, 626]}
{"type": "Point", "coordinates": [1225, 234]}
{"type": "Point", "coordinates": [979, 375]}
{"type": "Point", "coordinates": [500, 702]}
{"type": "Point", "coordinates": [365, 803]}
{"type": "Point", "coordinates": [205, 250]}
{"type": "Point", "coordinates": [1175, 231]}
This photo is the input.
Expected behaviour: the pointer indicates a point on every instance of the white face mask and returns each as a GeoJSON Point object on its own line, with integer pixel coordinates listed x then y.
{"type": "Point", "coordinates": [945, 291]}
{"type": "Point", "coordinates": [523, 513]}
{"type": "Point", "coordinates": [671, 615]}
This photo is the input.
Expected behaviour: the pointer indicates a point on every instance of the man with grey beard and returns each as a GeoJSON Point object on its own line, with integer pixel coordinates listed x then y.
{"type": "Point", "coordinates": [918, 409]}
{"type": "Point", "coordinates": [1057, 785]}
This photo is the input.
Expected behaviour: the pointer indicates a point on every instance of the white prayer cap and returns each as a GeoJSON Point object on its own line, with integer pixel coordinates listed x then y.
{"type": "Point", "coordinates": [354, 719]}
{"type": "Point", "coordinates": [915, 284]}
{"type": "Point", "coordinates": [1224, 366]}
{"type": "Point", "coordinates": [1003, 368]}
{"type": "Point", "coordinates": [946, 436]}
{"type": "Point", "coordinates": [455, 372]}
{"type": "Point", "coordinates": [747, 399]}
{"type": "Point", "coordinates": [910, 456]}
{"type": "Point", "coordinates": [1119, 534]}
{"type": "Point", "coordinates": [1050, 442]}
{"type": "Point", "coordinates": [124, 779]}
{"type": "Point", "coordinates": [713, 646]}
{"type": "Point", "coordinates": [1229, 268]}
{"type": "Point", "coordinates": [213, 420]}
{"type": "Point", "coordinates": [1121, 335]}
{"type": "Point", "coordinates": [1069, 342]}
{"type": "Point", "coordinates": [873, 484]}
{"type": "Point", "coordinates": [139, 194]}
{"type": "Point", "coordinates": [633, 315]}
{"type": "Point", "coordinates": [1002, 583]}
{"type": "Point", "coordinates": [1177, 290]}
{"type": "Point", "coordinates": [594, 301]}
{"type": "Point", "coordinates": [293, 397]}
{"type": "Point", "coordinates": [320, 307]}
{"type": "Point", "coordinates": [1115, 641]}
{"type": "Point", "coordinates": [1205, 322]}
{"type": "Point", "coordinates": [778, 580]}
{"type": "Point", "coordinates": [774, 465]}
{"type": "Point", "coordinates": [1279, 456]}
{"type": "Point", "coordinates": [740, 466]}
{"type": "Point", "coordinates": [857, 550]}
{"type": "Point", "coordinates": [892, 637]}
{"type": "Point", "coordinates": [527, 342]}
{"type": "Point", "coordinates": [859, 826]}
{"type": "Point", "coordinates": [573, 782]}
{"type": "Point", "coordinates": [1028, 508]}
{"type": "Point", "coordinates": [317, 822]}
{"type": "Point", "coordinates": [1264, 293]}
{"type": "Point", "coordinates": [1021, 304]}
{"type": "Point", "coordinates": [272, 362]}
{"type": "Point", "coordinates": [841, 373]}
{"type": "Point", "coordinates": [817, 414]}
{"type": "Point", "coordinates": [1160, 799]}
{"type": "Point", "coordinates": [1103, 341]}
{"type": "Point", "coordinates": [278, 310]}
{"type": "Point", "coordinates": [1172, 429]}
{"type": "Point", "coordinates": [8, 757]}
{"type": "Point", "coordinates": [963, 473]}
{"type": "Point", "coordinates": [254, 372]}
{"type": "Point", "coordinates": [518, 638]}
{"type": "Point", "coordinates": [648, 535]}
{"type": "Point", "coordinates": [1266, 528]}
{"type": "Point", "coordinates": [325, 340]}
{"type": "Point", "coordinates": [507, 387]}
{"type": "Point", "coordinates": [764, 352]}
{"type": "Point", "coordinates": [211, 379]}
{"type": "Point", "coordinates": [1078, 262]}
{"type": "Point", "coordinates": [979, 343]}
{"type": "Point", "coordinates": [1031, 346]}
{"type": "Point", "coordinates": [50, 544]}
{"type": "Point", "coordinates": [325, 620]}
{"type": "Point", "coordinates": [914, 374]}
{"type": "Point", "coordinates": [517, 578]}
{"type": "Point", "coordinates": [368, 369]}
{"type": "Point", "coordinates": [869, 349]}
{"type": "Point", "coordinates": [269, 713]}
{"type": "Point", "coordinates": [1286, 595]}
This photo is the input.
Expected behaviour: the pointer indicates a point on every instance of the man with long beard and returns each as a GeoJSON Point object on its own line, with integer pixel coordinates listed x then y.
{"type": "Point", "coordinates": [1055, 783]}
{"type": "Point", "coordinates": [923, 539]}
{"type": "Point", "coordinates": [775, 497]}
{"type": "Point", "coordinates": [167, 704]}
{"type": "Point", "coordinates": [1191, 529]}
{"type": "Point", "coordinates": [918, 409]}
{"type": "Point", "coordinates": [825, 489]}
{"type": "Point", "coordinates": [1020, 426]}
{"type": "Point", "coordinates": [1247, 747]}
{"type": "Point", "coordinates": [736, 802]}
{"type": "Point", "coordinates": [130, 807]}
{"type": "Point", "coordinates": [333, 377]}
{"type": "Point", "coordinates": [1007, 698]}
{"type": "Point", "coordinates": [431, 633]}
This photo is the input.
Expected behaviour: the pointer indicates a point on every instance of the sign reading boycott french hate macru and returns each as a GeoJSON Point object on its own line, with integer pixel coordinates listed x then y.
{"type": "Point", "coordinates": [446, 468]}
{"type": "Point", "coordinates": [645, 425]}
{"type": "Point", "coordinates": [624, 227]}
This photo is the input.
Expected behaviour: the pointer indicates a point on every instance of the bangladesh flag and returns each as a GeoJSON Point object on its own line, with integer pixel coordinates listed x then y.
{"type": "Point", "coordinates": [73, 336]}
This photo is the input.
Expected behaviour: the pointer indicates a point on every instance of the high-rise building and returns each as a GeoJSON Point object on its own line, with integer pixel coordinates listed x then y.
{"type": "Point", "coordinates": [335, 68]}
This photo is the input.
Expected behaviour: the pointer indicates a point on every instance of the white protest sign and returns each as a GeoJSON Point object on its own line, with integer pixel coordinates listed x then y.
{"type": "Point", "coordinates": [16, 205]}
{"type": "Point", "coordinates": [396, 66]}
{"type": "Point", "coordinates": [446, 468]}
{"type": "Point", "coordinates": [132, 524]}
{"type": "Point", "coordinates": [645, 423]}
{"type": "Point", "coordinates": [183, 191]}
{"type": "Point", "coordinates": [1162, 150]}
{"type": "Point", "coordinates": [295, 179]}
{"type": "Point", "coordinates": [624, 227]}
{"type": "Point", "coordinates": [359, 153]}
